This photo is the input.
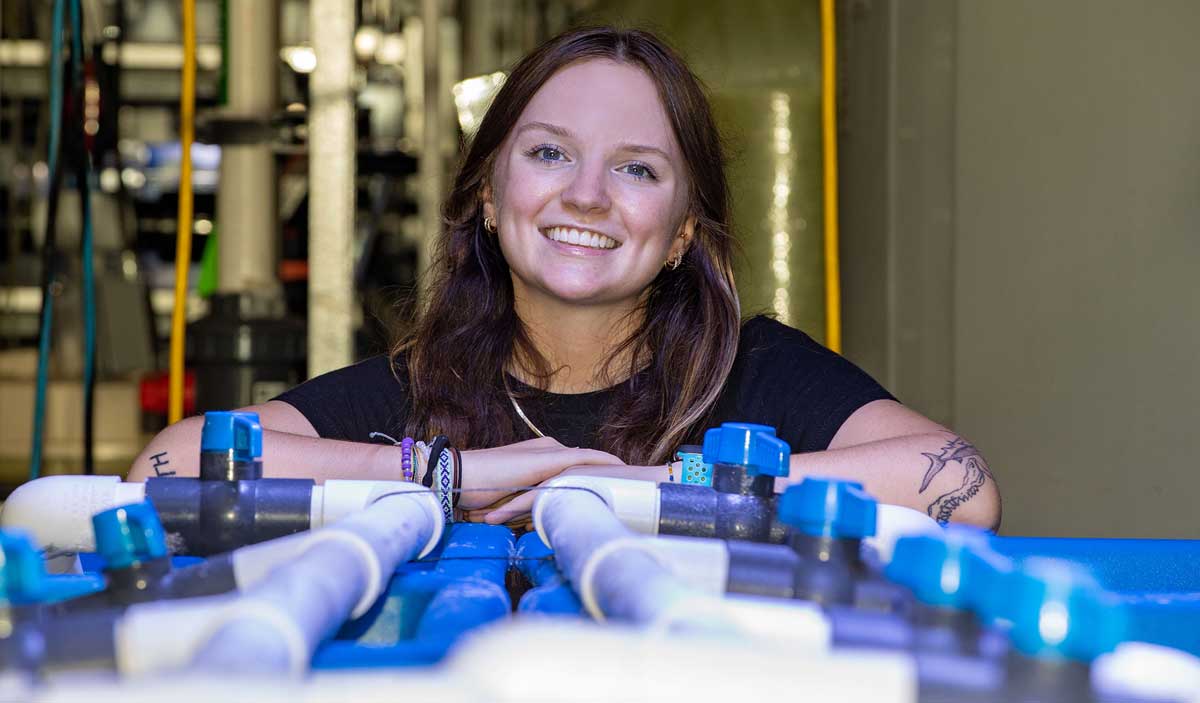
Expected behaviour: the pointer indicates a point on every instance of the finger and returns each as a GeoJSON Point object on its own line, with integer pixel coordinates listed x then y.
{"type": "Point", "coordinates": [514, 508]}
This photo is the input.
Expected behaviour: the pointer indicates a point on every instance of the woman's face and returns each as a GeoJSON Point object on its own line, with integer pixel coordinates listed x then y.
{"type": "Point", "coordinates": [589, 190]}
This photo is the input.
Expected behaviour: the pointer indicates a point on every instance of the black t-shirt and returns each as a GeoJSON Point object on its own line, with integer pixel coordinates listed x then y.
{"type": "Point", "coordinates": [780, 377]}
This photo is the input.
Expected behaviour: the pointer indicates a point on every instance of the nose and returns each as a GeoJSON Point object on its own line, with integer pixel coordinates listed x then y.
{"type": "Point", "coordinates": [588, 190]}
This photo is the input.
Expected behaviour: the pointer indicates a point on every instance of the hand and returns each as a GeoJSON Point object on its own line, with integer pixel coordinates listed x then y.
{"type": "Point", "coordinates": [522, 504]}
{"type": "Point", "coordinates": [489, 475]}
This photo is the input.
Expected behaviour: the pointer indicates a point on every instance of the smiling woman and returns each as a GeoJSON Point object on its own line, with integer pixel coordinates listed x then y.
{"type": "Point", "coordinates": [582, 295]}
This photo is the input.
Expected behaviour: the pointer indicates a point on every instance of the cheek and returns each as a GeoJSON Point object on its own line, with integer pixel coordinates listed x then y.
{"type": "Point", "coordinates": [526, 190]}
{"type": "Point", "coordinates": [653, 218]}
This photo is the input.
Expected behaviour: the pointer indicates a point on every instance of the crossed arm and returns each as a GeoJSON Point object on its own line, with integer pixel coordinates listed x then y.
{"type": "Point", "coordinates": [898, 455]}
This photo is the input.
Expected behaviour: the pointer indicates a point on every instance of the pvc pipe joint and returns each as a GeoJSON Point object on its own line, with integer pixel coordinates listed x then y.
{"type": "Point", "coordinates": [635, 503]}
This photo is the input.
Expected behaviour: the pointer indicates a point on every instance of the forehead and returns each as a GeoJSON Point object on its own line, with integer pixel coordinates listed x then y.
{"type": "Point", "coordinates": [605, 100]}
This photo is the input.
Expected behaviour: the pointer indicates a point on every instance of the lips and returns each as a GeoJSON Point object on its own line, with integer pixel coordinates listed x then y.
{"type": "Point", "coordinates": [580, 238]}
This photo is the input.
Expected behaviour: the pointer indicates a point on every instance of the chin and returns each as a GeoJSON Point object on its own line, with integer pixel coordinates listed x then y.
{"type": "Point", "coordinates": [583, 294]}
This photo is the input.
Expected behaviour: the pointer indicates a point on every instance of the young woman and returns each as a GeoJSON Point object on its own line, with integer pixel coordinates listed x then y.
{"type": "Point", "coordinates": [582, 317]}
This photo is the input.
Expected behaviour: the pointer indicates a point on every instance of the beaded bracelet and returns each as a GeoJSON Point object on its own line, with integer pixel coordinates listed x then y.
{"type": "Point", "coordinates": [406, 458]}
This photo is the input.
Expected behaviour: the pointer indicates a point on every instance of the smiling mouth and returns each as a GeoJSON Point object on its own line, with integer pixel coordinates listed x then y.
{"type": "Point", "coordinates": [580, 238]}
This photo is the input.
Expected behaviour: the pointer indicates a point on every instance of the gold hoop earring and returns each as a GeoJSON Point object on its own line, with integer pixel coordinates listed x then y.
{"type": "Point", "coordinates": [489, 224]}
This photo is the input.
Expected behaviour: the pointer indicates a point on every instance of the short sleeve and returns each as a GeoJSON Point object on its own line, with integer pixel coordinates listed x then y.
{"type": "Point", "coordinates": [783, 378]}
{"type": "Point", "coordinates": [352, 402]}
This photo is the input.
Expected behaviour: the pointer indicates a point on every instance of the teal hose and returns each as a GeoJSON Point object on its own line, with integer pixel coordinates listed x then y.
{"type": "Point", "coordinates": [87, 245]}
{"type": "Point", "coordinates": [47, 317]}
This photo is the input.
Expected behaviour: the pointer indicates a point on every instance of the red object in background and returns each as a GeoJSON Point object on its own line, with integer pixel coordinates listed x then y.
{"type": "Point", "coordinates": [155, 390]}
{"type": "Point", "coordinates": [291, 270]}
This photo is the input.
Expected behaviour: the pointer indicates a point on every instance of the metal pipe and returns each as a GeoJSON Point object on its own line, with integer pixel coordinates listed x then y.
{"type": "Point", "coordinates": [247, 217]}
{"type": "Point", "coordinates": [430, 166]}
{"type": "Point", "coordinates": [331, 168]}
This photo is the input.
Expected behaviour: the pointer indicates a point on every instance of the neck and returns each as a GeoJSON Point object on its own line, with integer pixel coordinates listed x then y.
{"type": "Point", "coordinates": [577, 341]}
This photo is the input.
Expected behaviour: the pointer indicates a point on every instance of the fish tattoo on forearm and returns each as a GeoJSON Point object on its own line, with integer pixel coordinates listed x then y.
{"type": "Point", "coordinates": [975, 474]}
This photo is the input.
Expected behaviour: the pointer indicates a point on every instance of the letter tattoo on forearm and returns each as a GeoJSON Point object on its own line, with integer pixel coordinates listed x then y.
{"type": "Point", "coordinates": [159, 462]}
{"type": "Point", "coordinates": [975, 474]}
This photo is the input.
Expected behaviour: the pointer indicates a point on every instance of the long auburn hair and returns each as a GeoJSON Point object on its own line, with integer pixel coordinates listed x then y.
{"type": "Point", "coordinates": [468, 332]}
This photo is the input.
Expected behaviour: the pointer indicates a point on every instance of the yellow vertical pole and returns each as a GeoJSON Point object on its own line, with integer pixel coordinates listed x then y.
{"type": "Point", "coordinates": [183, 241]}
{"type": "Point", "coordinates": [833, 284]}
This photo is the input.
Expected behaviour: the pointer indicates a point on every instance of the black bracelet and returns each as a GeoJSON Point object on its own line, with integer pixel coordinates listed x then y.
{"type": "Point", "coordinates": [436, 447]}
{"type": "Point", "coordinates": [458, 471]}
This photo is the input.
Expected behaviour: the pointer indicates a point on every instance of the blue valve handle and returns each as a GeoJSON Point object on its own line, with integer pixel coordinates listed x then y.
{"type": "Point", "coordinates": [238, 431]}
{"type": "Point", "coordinates": [944, 569]}
{"type": "Point", "coordinates": [744, 444]}
{"type": "Point", "coordinates": [1058, 611]}
{"type": "Point", "coordinates": [824, 507]}
{"type": "Point", "coordinates": [129, 535]}
{"type": "Point", "coordinates": [22, 575]}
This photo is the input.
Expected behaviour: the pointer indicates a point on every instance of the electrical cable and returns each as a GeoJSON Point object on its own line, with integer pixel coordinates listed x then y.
{"type": "Point", "coordinates": [83, 176]}
{"type": "Point", "coordinates": [833, 283]}
{"type": "Point", "coordinates": [183, 240]}
{"type": "Point", "coordinates": [49, 255]}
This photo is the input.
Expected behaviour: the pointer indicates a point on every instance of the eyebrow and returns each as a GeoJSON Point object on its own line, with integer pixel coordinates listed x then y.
{"type": "Point", "coordinates": [568, 134]}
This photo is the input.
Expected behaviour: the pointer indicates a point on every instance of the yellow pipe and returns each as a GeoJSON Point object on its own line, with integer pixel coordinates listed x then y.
{"type": "Point", "coordinates": [833, 283]}
{"type": "Point", "coordinates": [183, 240]}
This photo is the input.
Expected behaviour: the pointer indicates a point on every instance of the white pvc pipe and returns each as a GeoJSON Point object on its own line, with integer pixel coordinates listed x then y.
{"type": "Point", "coordinates": [303, 603]}
{"type": "Point", "coordinates": [893, 522]}
{"type": "Point", "coordinates": [585, 534]}
{"type": "Point", "coordinates": [277, 623]}
{"type": "Point", "coordinates": [626, 577]}
{"type": "Point", "coordinates": [571, 660]}
{"type": "Point", "coordinates": [702, 564]}
{"type": "Point", "coordinates": [57, 511]}
{"type": "Point", "coordinates": [358, 685]}
{"type": "Point", "coordinates": [636, 504]}
{"type": "Point", "coordinates": [1138, 670]}
{"type": "Point", "coordinates": [559, 660]}
{"type": "Point", "coordinates": [336, 499]}
{"type": "Point", "coordinates": [357, 530]}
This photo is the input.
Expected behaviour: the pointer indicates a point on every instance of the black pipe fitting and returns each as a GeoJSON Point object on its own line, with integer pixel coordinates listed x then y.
{"type": "Point", "coordinates": [831, 568]}
{"type": "Point", "coordinates": [206, 517]}
{"type": "Point", "coordinates": [761, 569]}
{"type": "Point", "coordinates": [698, 511]}
{"type": "Point", "coordinates": [746, 459]}
{"type": "Point", "coordinates": [38, 641]}
{"type": "Point", "coordinates": [228, 466]}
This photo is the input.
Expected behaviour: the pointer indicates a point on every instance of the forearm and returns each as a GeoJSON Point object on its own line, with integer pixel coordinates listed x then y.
{"type": "Point", "coordinates": [937, 473]}
{"type": "Point", "coordinates": [176, 452]}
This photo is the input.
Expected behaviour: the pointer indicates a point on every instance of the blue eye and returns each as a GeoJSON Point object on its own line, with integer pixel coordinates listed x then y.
{"type": "Point", "coordinates": [546, 152]}
{"type": "Point", "coordinates": [640, 171]}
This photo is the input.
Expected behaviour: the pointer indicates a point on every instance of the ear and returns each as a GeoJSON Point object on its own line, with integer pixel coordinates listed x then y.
{"type": "Point", "coordinates": [485, 197]}
{"type": "Point", "coordinates": [683, 241]}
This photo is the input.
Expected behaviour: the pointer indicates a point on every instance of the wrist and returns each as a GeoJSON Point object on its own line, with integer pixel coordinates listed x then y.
{"type": "Point", "coordinates": [468, 481]}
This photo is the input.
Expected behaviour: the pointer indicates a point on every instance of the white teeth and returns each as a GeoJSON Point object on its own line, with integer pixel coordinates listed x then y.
{"type": "Point", "coordinates": [583, 238]}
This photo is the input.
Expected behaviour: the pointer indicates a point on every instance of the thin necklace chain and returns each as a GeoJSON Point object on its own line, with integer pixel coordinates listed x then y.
{"type": "Point", "coordinates": [517, 407]}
